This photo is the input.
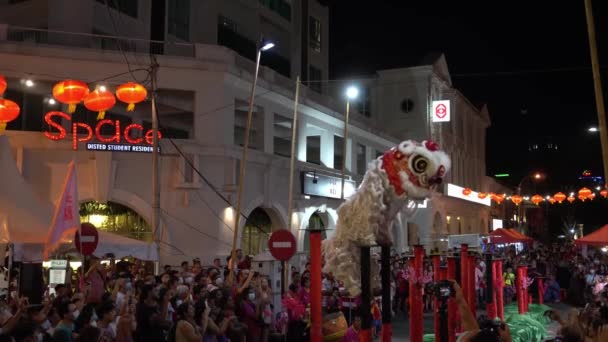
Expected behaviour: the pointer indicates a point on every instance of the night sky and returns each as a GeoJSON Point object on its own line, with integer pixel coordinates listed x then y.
{"type": "Point", "coordinates": [528, 60]}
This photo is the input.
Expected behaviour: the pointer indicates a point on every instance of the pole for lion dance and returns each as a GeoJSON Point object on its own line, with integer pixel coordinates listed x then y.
{"type": "Point", "coordinates": [490, 302]}
{"type": "Point", "coordinates": [436, 277]}
{"type": "Point", "coordinates": [366, 315]}
{"type": "Point", "coordinates": [525, 289]}
{"type": "Point", "coordinates": [416, 312]}
{"type": "Point", "coordinates": [499, 285]}
{"type": "Point", "coordinates": [316, 334]}
{"type": "Point", "coordinates": [464, 272]}
{"type": "Point", "coordinates": [540, 283]}
{"type": "Point", "coordinates": [521, 308]}
{"type": "Point", "coordinates": [387, 327]}
{"type": "Point", "coordinates": [472, 291]}
{"type": "Point", "coordinates": [451, 274]}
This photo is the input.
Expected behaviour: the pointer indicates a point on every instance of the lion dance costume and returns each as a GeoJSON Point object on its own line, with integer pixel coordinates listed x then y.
{"type": "Point", "coordinates": [409, 171]}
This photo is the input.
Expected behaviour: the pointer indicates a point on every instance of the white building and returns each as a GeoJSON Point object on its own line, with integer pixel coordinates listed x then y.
{"type": "Point", "coordinates": [202, 93]}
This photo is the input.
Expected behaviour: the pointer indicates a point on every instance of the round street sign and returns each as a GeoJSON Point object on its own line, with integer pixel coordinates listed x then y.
{"type": "Point", "coordinates": [88, 240]}
{"type": "Point", "coordinates": [282, 245]}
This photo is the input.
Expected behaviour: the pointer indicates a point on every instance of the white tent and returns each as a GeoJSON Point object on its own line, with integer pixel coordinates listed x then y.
{"type": "Point", "coordinates": [25, 219]}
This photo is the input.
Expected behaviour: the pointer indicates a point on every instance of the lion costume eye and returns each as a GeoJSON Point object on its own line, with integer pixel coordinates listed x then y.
{"type": "Point", "coordinates": [419, 164]}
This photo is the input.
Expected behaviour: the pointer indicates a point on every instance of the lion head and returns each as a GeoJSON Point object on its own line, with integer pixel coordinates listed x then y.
{"type": "Point", "coordinates": [415, 169]}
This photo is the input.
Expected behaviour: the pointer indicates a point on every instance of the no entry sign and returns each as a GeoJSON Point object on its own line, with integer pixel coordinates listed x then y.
{"type": "Point", "coordinates": [88, 240]}
{"type": "Point", "coordinates": [441, 111]}
{"type": "Point", "coordinates": [282, 245]}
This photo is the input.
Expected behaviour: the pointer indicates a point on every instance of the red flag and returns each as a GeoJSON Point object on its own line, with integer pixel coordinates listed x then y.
{"type": "Point", "coordinates": [66, 219]}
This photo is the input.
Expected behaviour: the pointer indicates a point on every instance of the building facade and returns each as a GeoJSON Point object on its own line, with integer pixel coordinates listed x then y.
{"type": "Point", "coordinates": [203, 84]}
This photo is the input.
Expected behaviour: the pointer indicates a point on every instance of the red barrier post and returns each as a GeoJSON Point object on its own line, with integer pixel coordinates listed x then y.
{"type": "Point", "coordinates": [499, 286]}
{"type": "Point", "coordinates": [525, 289]}
{"type": "Point", "coordinates": [316, 333]}
{"type": "Point", "coordinates": [490, 294]}
{"type": "Point", "coordinates": [540, 282]}
{"type": "Point", "coordinates": [436, 277]}
{"type": "Point", "coordinates": [416, 312]}
{"type": "Point", "coordinates": [451, 274]}
{"type": "Point", "coordinates": [521, 297]}
{"type": "Point", "coordinates": [472, 291]}
{"type": "Point", "coordinates": [464, 271]}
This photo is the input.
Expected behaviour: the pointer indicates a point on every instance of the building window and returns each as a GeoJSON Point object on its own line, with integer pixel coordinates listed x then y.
{"type": "Point", "coordinates": [179, 19]}
{"type": "Point", "coordinates": [256, 133]}
{"type": "Point", "coordinates": [361, 162]}
{"type": "Point", "coordinates": [256, 232]}
{"type": "Point", "coordinates": [314, 29]}
{"type": "Point", "coordinates": [316, 75]}
{"type": "Point", "coordinates": [281, 7]}
{"type": "Point", "coordinates": [128, 7]}
{"type": "Point", "coordinates": [116, 219]}
{"type": "Point", "coordinates": [189, 163]}
{"type": "Point", "coordinates": [282, 135]}
{"type": "Point", "coordinates": [228, 24]}
{"type": "Point", "coordinates": [338, 152]}
{"type": "Point", "coordinates": [313, 149]}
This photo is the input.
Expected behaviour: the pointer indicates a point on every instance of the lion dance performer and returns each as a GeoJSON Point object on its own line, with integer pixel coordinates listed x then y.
{"type": "Point", "coordinates": [409, 171]}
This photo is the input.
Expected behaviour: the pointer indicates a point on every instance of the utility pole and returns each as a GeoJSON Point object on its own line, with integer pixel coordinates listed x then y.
{"type": "Point", "coordinates": [155, 169]}
{"type": "Point", "coordinates": [597, 82]}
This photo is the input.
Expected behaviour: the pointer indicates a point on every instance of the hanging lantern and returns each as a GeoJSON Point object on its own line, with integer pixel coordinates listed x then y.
{"type": "Point", "coordinates": [100, 100]}
{"type": "Point", "coordinates": [591, 197]}
{"type": "Point", "coordinates": [498, 198]}
{"type": "Point", "coordinates": [582, 198]}
{"type": "Point", "coordinates": [571, 199]}
{"type": "Point", "coordinates": [131, 93]}
{"type": "Point", "coordinates": [516, 199]}
{"type": "Point", "coordinates": [9, 111]}
{"type": "Point", "coordinates": [604, 193]}
{"type": "Point", "coordinates": [70, 92]}
{"type": "Point", "coordinates": [536, 199]}
{"type": "Point", "coordinates": [584, 192]}
{"type": "Point", "coordinates": [2, 85]}
{"type": "Point", "coordinates": [466, 191]}
{"type": "Point", "coordinates": [551, 200]}
{"type": "Point", "coordinates": [559, 197]}
{"type": "Point", "coordinates": [482, 195]}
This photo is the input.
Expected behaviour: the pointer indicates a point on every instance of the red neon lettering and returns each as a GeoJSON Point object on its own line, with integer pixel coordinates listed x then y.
{"type": "Point", "coordinates": [115, 137]}
{"type": "Point", "coordinates": [128, 135]}
{"type": "Point", "coordinates": [150, 136]}
{"type": "Point", "coordinates": [75, 138]}
{"type": "Point", "coordinates": [48, 118]}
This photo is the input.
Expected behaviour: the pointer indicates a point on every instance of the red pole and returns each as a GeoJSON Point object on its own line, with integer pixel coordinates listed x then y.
{"type": "Point", "coordinates": [472, 292]}
{"type": "Point", "coordinates": [436, 277]}
{"type": "Point", "coordinates": [541, 289]}
{"type": "Point", "coordinates": [499, 286]}
{"type": "Point", "coordinates": [525, 289]}
{"type": "Point", "coordinates": [316, 333]}
{"type": "Point", "coordinates": [464, 272]}
{"type": "Point", "coordinates": [416, 312]}
{"type": "Point", "coordinates": [451, 274]}
{"type": "Point", "coordinates": [521, 308]}
{"type": "Point", "coordinates": [490, 293]}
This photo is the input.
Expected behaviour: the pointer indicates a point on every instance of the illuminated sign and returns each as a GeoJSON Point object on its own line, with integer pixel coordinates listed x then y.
{"type": "Point", "coordinates": [326, 186]}
{"type": "Point", "coordinates": [587, 173]}
{"type": "Point", "coordinates": [441, 111]}
{"type": "Point", "coordinates": [120, 147]}
{"type": "Point", "coordinates": [456, 191]}
{"type": "Point", "coordinates": [496, 223]}
{"type": "Point", "coordinates": [114, 140]}
{"type": "Point", "coordinates": [501, 175]}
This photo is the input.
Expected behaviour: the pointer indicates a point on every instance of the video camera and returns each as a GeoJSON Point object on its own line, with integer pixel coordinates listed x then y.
{"type": "Point", "coordinates": [442, 289]}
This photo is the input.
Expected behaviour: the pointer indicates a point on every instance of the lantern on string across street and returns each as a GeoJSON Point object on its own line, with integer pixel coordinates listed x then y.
{"type": "Point", "coordinates": [71, 93]}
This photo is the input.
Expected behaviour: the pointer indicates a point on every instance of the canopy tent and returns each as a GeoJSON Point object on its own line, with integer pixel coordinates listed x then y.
{"type": "Point", "coordinates": [519, 235]}
{"type": "Point", "coordinates": [25, 219]}
{"type": "Point", "coordinates": [597, 238]}
{"type": "Point", "coordinates": [502, 236]}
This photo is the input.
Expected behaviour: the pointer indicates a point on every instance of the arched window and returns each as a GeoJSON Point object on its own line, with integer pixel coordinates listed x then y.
{"type": "Point", "coordinates": [256, 232]}
{"type": "Point", "coordinates": [117, 219]}
{"type": "Point", "coordinates": [314, 222]}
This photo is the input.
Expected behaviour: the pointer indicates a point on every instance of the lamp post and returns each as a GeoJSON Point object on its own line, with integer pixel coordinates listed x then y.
{"type": "Point", "coordinates": [351, 93]}
{"type": "Point", "coordinates": [264, 46]}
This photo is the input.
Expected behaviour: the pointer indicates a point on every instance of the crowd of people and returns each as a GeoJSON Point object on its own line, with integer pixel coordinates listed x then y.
{"type": "Point", "coordinates": [123, 301]}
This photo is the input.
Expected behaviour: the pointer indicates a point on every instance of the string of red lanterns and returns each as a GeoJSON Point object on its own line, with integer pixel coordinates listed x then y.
{"type": "Point", "coordinates": [583, 195]}
{"type": "Point", "coordinates": [9, 110]}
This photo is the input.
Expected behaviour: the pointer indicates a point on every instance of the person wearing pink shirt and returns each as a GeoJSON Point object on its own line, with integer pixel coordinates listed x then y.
{"type": "Point", "coordinates": [304, 292]}
{"type": "Point", "coordinates": [352, 334]}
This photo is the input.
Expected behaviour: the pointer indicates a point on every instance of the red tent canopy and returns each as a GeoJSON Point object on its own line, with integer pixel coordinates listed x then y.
{"type": "Point", "coordinates": [597, 238]}
{"type": "Point", "coordinates": [519, 235]}
{"type": "Point", "coordinates": [500, 236]}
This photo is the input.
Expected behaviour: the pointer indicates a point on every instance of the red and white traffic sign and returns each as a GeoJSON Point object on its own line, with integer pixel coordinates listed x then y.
{"type": "Point", "coordinates": [282, 245]}
{"type": "Point", "coordinates": [441, 111]}
{"type": "Point", "coordinates": [89, 239]}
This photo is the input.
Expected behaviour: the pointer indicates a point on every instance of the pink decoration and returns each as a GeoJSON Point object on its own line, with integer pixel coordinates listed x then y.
{"type": "Point", "coordinates": [527, 282]}
{"type": "Point", "coordinates": [410, 276]}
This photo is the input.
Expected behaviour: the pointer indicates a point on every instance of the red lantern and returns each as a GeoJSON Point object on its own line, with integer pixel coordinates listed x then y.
{"type": "Point", "coordinates": [482, 195]}
{"type": "Point", "coordinates": [70, 92]}
{"type": "Point", "coordinates": [9, 111]}
{"type": "Point", "coordinates": [100, 100]}
{"type": "Point", "coordinates": [516, 199]}
{"type": "Point", "coordinates": [582, 198]}
{"type": "Point", "coordinates": [498, 198]}
{"type": "Point", "coordinates": [551, 200]}
{"type": "Point", "coordinates": [537, 199]}
{"type": "Point", "coordinates": [131, 93]}
{"type": "Point", "coordinates": [604, 193]}
{"type": "Point", "coordinates": [591, 197]}
{"type": "Point", "coordinates": [584, 192]}
{"type": "Point", "coordinates": [2, 84]}
{"type": "Point", "coordinates": [571, 199]}
{"type": "Point", "coordinates": [559, 197]}
{"type": "Point", "coordinates": [466, 191]}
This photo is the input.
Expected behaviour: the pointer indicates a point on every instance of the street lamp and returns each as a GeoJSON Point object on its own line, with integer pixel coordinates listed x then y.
{"type": "Point", "coordinates": [264, 45]}
{"type": "Point", "coordinates": [593, 129]}
{"type": "Point", "coordinates": [351, 93]}
{"type": "Point", "coordinates": [533, 176]}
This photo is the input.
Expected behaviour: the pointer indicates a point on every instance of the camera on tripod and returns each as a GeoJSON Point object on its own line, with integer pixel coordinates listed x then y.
{"type": "Point", "coordinates": [442, 289]}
